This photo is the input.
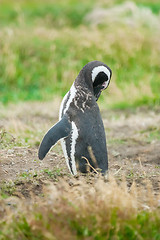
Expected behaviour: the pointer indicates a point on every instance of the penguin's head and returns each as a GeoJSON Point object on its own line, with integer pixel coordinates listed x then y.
{"type": "Point", "coordinates": [97, 76]}
{"type": "Point", "coordinates": [101, 76]}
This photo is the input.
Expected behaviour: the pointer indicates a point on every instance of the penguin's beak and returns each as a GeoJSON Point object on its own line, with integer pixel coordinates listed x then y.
{"type": "Point", "coordinates": [98, 95]}
{"type": "Point", "coordinates": [98, 89]}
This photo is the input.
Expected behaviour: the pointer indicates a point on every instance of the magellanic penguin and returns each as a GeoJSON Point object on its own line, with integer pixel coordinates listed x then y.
{"type": "Point", "coordinates": [80, 125]}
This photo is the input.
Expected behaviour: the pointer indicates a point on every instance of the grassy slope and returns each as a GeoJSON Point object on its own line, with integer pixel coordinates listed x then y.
{"type": "Point", "coordinates": [44, 45]}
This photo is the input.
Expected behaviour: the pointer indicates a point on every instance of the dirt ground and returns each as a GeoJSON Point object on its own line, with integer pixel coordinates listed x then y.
{"type": "Point", "coordinates": [133, 141]}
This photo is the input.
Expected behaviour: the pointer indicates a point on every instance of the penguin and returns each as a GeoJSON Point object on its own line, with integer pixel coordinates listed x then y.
{"type": "Point", "coordinates": [80, 128]}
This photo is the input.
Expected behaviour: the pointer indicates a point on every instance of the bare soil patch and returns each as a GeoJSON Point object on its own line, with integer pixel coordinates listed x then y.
{"type": "Point", "coordinates": [133, 147]}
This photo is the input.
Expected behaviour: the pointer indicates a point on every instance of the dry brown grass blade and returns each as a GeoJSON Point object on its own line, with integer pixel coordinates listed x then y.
{"type": "Point", "coordinates": [90, 164]}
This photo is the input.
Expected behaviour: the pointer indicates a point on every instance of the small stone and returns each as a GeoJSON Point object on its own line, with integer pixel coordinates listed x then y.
{"type": "Point", "coordinates": [10, 151]}
{"type": "Point", "coordinates": [115, 153]}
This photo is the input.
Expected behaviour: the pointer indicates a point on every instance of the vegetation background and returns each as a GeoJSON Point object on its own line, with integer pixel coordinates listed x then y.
{"type": "Point", "coordinates": [43, 46]}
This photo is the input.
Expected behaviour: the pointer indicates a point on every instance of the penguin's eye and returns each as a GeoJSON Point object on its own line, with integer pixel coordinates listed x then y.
{"type": "Point", "coordinates": [100, 79]}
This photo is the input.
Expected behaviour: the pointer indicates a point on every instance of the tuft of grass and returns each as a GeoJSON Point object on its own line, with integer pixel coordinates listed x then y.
{"type": "Point", "coordinates": [7, 189]}
{"type": "Point", "coordinates": [53, 173]}
{"type": "Point", "coordinates": [7, 140]}
{"type": "Point", "coordinates": [58, 14]}
{"type": "Point", "coordinates": [117, 141]}
{"type": "Point", "coordinates": [28, 174]}
{"type": "Point", "coordinates": [151, 134]}
{"type": "Point", "coordinates": [154, 6]}
{"type": "Point", "coordinates": [105, 210]}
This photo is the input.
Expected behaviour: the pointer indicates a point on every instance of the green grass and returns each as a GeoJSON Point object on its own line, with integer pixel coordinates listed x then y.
{"type": "Point", "coordinates": [28, 175]}
{"type": "Point", "coordinates": [154, 6]}
{"type": "Point", "coordinates": [58, 14]}
{"type": "Point", "coordinates": [7, 189]}
{"type": "Point", "coordinates": [143, 226]}
{"type": "Point", "coordinates": [53, 174]}
{"type": "Point", "coordinates": [44, 45]}
{"type": "Point", "coordinates": [151, 134]}
{"type": "Point", "coordinates": [118, 141]}
{"type": "Point", "coordinates": [7, 140]}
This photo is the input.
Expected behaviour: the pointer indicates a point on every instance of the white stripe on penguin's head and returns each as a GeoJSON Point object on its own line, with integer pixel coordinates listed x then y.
{"type": "Point", "coordinates": [99, 69]}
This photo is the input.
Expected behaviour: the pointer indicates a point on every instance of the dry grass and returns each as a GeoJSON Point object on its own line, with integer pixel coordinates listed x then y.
{"type": "Point", "coordinates": [83, 209]}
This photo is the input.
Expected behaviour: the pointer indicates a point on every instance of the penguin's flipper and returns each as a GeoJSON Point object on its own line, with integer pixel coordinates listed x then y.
{"type": "Point", "coordinates": [60, 130]}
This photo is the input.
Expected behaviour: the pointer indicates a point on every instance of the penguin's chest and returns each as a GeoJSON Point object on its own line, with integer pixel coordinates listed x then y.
{"type": "Point", "coordinates": [86, 135]}
{"type": "Point", "coordinates": [87, 130]}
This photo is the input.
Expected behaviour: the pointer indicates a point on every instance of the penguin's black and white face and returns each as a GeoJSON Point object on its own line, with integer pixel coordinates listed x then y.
{"type": "Point", "coordinates": [101, 76]}
{"type": "Point", "coordinates": [96, 75]}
